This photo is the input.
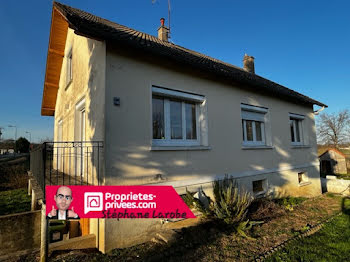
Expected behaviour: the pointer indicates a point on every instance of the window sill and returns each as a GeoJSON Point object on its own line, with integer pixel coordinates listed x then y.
{"type": "Point", "coordinates": [260, 194]}
{"type": "Point", "coordinates": [245, 147]}
{"type": "Point", "coordinates": [300, 146]}
{"type": "Point", "coordinates": [304, 184]}
{"type": "Point", "coordinates": [179, 148]}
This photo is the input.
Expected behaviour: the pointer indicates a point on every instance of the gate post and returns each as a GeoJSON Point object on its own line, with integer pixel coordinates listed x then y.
{"type": "Point", "coordinates": [44, 248]}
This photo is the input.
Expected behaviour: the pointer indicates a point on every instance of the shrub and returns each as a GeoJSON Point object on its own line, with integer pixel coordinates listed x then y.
{"type": "Point", "coordinates": [231, 203]}
{"type": "Point", "coordinates": [22, 145]}
{"type": "Point", "coordinates": [193, 202]}
{"type": "Point", "coordinates": [188, 198]}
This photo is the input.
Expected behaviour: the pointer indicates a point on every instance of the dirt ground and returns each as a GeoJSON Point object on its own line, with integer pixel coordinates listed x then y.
{"type": "Point", "coordinates": [210, 241]}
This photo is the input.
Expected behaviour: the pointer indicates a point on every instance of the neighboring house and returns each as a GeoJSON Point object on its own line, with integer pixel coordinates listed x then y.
{"type": "Point", "coordinates": [7, 147]}
{"type": "Point", "coordinates": [168, 115]}
{"type": "Point", "coordinates": [332, 161]}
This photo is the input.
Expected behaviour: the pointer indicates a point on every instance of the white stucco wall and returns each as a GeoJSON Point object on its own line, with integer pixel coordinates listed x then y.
{"type": "Point", "coordinates": [130, 159]}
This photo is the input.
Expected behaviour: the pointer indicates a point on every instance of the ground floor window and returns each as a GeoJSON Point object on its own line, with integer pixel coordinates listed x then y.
{"type": "Point", "coordinates": [175, 117]}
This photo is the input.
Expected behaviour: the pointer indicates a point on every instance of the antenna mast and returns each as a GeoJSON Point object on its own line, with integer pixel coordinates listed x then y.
{"type": "Point", "coordinates": [169, 18]}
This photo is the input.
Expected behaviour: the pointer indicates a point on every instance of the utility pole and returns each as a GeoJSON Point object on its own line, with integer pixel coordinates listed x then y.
{"type": "Point", "coordinates": [1, 128]}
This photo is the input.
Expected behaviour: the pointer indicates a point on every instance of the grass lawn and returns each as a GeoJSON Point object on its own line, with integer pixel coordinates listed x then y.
{"type": "Point", "coordinates": [331, 243]}
{"type": "Point", "coordinates": [14, 201]}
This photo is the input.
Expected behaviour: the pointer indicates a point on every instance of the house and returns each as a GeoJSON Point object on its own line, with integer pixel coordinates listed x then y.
{"type": "Point", "coordinates": [7, 147]}
{"type": "Point", "coordinates": [168, 115]}
{"type": "Point", "coordinates": [332, 161]}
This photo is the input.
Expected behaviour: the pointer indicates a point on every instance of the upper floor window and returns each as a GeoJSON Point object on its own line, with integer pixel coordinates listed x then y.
{"type": "Point", "coordinates": [69, 69]}
{"type": "Point", "coordinates": [295, 123]}
{"type": "Point", "coordinates": [175, 117]}
{"type": "Point", "coordinates": [253, 125]}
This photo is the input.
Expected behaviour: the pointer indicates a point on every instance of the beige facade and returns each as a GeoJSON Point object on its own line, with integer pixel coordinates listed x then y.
{"type": "Point", "coordinates": [101, 73]}
{"type": "Point", "coordinates": [131, 159]}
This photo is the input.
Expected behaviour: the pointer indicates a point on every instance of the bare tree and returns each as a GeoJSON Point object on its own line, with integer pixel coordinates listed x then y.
{"type": "Point", "coordinates": [334, 128]}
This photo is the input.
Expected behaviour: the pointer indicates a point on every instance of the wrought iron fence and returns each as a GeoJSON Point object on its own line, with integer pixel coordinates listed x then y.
{"type": "Point", "coordinates": [67, 163]}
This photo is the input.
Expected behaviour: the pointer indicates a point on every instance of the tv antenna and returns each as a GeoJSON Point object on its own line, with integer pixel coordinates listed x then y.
{"type": "Point", "coordinates": [169, 9]}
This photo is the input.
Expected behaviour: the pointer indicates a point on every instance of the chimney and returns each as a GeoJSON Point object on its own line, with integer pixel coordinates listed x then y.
{"type": "Point", "coordinates": [248, 64]}
{"type": "Point", "coordinates": [163, 31]}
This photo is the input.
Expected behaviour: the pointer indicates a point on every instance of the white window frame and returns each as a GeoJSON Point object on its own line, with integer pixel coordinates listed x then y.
{"type": "Point", "coordinates": [59, 150]}
{"type": "Point", "coordinates": [299, 118]}
{"type": "Point", "coordinates": [184, 97]}
{"type": "Point", "coordinates": [80, 136]}
{"type": "Point", "coordinates": [255, 114]}
{"type": "Point", "coordinates": [69, 67]}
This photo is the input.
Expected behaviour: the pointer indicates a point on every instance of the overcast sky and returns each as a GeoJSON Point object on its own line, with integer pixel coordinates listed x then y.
{"type": "Point", "coordinates": [303, 45]}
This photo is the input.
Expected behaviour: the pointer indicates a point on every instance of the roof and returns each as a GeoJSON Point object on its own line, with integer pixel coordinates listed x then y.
{"type": "Point", "coordinates": [96, 27]}
{"type": "Point", "coordinates": [334, 150]}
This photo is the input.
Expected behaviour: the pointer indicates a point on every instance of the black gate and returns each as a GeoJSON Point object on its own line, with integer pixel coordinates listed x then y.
{"type": "Point", "coordinates": [67, 163]}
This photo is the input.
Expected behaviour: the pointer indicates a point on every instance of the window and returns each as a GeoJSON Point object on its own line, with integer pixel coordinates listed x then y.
{"type": "Point", "coordinates": [69, 72]}
{"type": "Point", "coordinates": [295, 124]}
{"type": "Point", "coordinates": [302, 178]}
{"type": "Point", "coordinates": [259, 186]}
{"type": "Point", "coordinates": [253, 125]}
{"type": "Point", "coordinates": [175, 117]}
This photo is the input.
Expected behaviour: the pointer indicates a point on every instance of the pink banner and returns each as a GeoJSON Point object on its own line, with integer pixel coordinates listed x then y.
{"type": "Point", "coordinates": [74, 202]}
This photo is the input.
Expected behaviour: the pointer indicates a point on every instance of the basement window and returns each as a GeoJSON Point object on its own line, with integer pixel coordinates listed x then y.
{"type": "Point", "coordinates": [259, 186]}
{"type": "Point", "coordinates": [302, 178]}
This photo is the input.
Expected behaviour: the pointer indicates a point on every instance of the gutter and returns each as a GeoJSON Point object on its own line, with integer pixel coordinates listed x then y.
{"type": "Point", "coordinates": [319, 110]}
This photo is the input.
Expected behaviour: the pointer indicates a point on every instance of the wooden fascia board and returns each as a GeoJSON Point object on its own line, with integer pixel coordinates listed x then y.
{"type": "Point", "coordinates": [51, 85]}
{"type": "Point", "coordinates": [57, 20]}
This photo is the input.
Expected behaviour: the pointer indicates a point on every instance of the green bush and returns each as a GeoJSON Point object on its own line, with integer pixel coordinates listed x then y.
{"type": "Point", "coordinates": [231, 203]}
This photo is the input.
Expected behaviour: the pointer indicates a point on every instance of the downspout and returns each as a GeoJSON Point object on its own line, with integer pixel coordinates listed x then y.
{"type": "Point", "coordinates": [319, 110]}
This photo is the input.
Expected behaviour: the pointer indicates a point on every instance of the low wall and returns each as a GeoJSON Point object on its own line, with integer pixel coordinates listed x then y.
{"type": "Point", "coordinates": [20, 232]}
{"type": "Point", "coordinates": [339, 186]}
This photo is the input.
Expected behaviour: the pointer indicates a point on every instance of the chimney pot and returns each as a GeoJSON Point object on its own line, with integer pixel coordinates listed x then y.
{"type": "Point", "coordinates": [248, 64]}
{"type": "Point", "coordinates": [163, 31]}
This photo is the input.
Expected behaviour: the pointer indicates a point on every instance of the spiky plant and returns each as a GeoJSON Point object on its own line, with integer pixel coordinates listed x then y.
{"type": "Point", "coordinates": [231, 203]}
{"type": "Point", "coordinates": [193, 202]}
